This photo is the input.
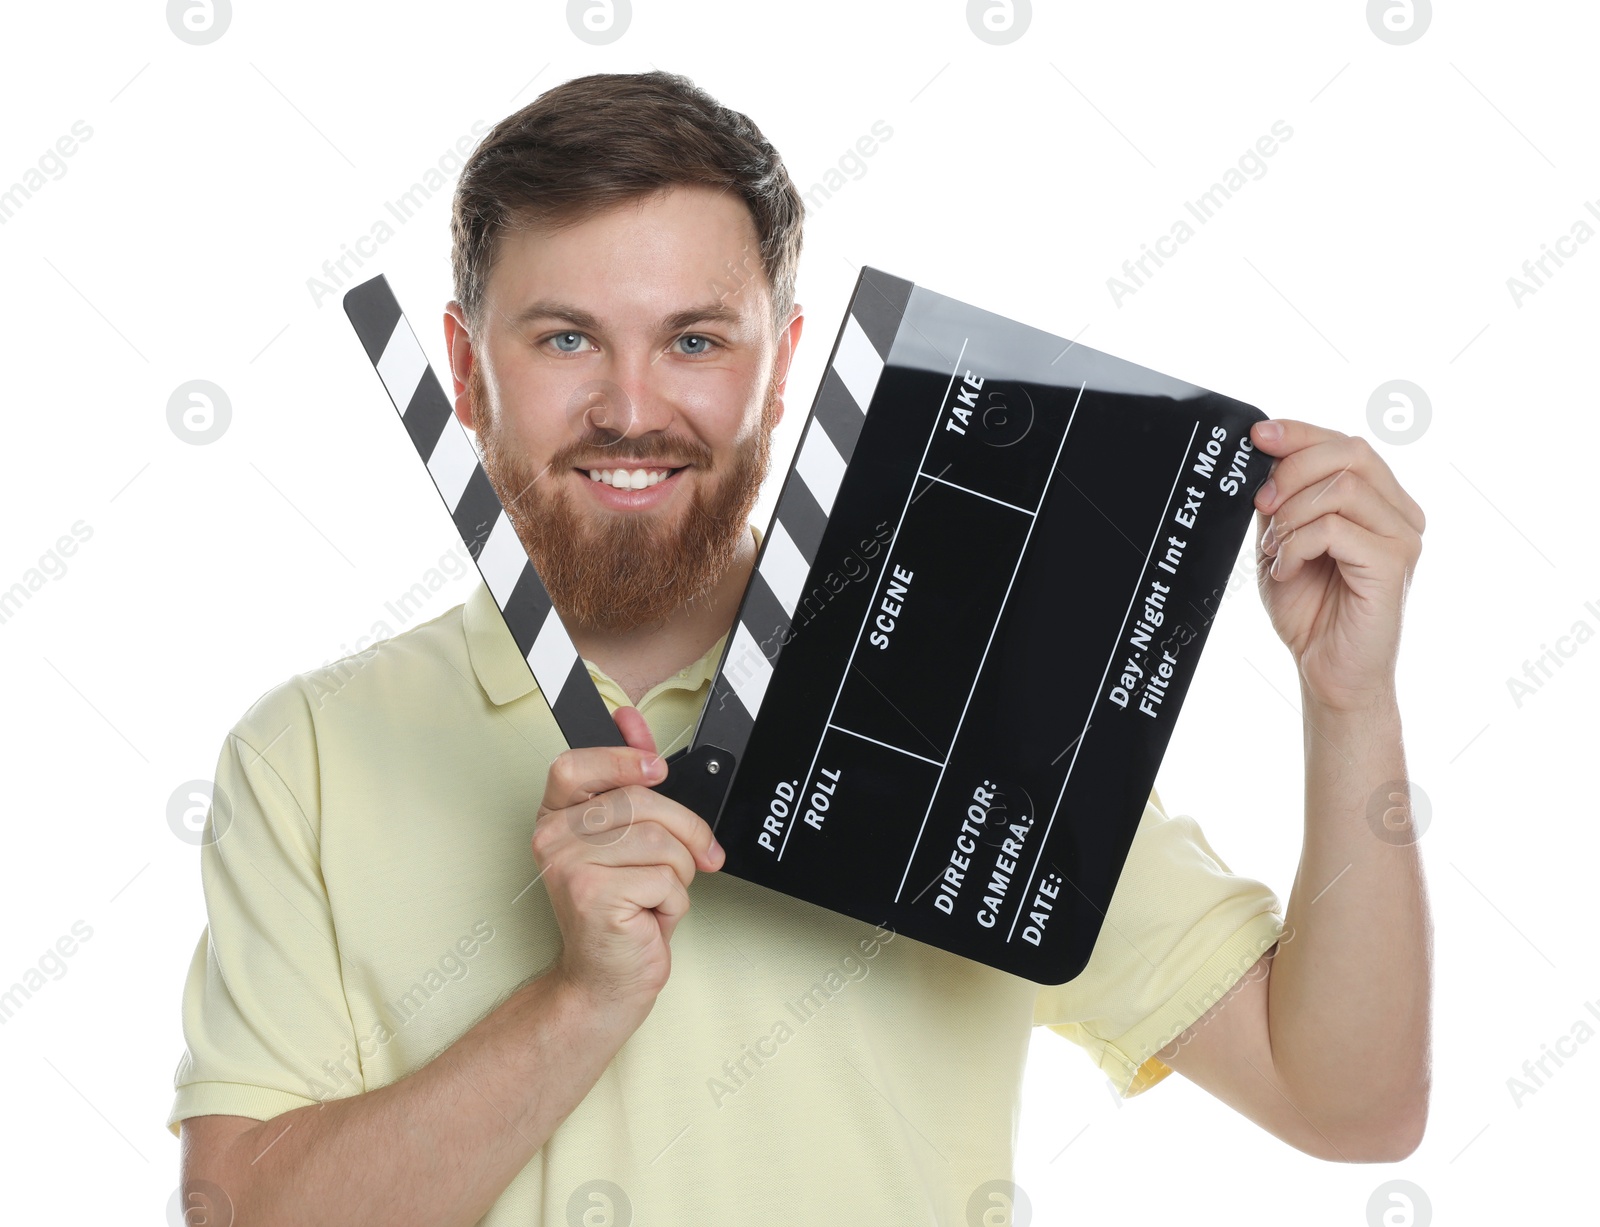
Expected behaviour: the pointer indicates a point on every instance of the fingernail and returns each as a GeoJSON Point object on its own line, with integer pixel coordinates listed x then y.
{"type": "Point", "coordinates": [716, 850]}
{"type": "Point", "coordinates": [1268, 492]}
{"type": "Point", "coordinates": [1269, 431]}
{"type": "Point", "coordinates": [655, 769]}
{"type": "Point", "coordinates": [1269, 539]}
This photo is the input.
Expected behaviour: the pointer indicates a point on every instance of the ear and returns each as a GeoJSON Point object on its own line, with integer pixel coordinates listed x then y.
{"type": "Point", "coordinates": [458, 343]}
{"type": "Point", "coordinates": [788, 339]}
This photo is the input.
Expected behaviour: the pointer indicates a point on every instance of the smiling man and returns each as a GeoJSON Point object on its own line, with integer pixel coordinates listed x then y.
{"type": "Point", "coordinates": [624, 1034]}
{"type": "Point", "coordinates": [634, 500]}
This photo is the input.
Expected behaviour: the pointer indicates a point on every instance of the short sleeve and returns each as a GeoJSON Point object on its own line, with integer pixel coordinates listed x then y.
{"type": "Point", "coordinates": [1180, 930]}
{"type": "Point", "coordinates": [265, 1021]}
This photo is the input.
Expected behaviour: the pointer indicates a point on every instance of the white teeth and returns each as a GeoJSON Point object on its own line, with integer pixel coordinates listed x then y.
{"type": "Point", "coordinates": [629, 479]}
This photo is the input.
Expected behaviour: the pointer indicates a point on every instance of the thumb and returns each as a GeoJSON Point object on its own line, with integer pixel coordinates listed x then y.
{"type": "Point", "coordinates": [631, 723]}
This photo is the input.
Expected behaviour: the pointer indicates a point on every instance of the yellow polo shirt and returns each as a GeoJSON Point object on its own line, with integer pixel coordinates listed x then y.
{"type": "Point", "coordinates": [368, 900]}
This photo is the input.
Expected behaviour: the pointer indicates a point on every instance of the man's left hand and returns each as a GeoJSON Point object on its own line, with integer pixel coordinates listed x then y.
{"type": "Point", "coordinates": [1337, 539]}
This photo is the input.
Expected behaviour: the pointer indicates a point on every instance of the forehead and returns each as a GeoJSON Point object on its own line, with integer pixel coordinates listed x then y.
{"type": "Point", "coordinates": [645, 257]}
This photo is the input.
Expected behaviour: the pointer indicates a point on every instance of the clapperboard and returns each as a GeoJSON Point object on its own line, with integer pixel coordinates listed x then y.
{"type": "Point", "coordinates": [989, 576]}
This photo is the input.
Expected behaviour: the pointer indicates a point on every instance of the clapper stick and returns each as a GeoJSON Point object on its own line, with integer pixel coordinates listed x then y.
{"type": "Point", "coordinates": [701, 774]}
{"type": "Point", "coordinates": [790, 545]}
{"type": "Point", "coordinates": [453, 463]}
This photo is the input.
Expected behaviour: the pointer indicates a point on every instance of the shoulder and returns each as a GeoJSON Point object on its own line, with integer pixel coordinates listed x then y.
{"type": "Point", "coordinates": [385, 667]}
{"type": "Point", "coordinates": [370, 691]}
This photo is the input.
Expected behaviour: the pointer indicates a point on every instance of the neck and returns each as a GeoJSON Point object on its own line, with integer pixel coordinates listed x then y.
{"type": "Point", "coordinates": [644, 656]}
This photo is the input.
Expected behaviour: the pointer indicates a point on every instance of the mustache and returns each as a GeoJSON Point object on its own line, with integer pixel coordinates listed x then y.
{"type": "Point", "coordinates": [592, 446]}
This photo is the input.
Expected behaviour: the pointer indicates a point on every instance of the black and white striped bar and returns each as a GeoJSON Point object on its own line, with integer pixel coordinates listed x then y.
{"type": "Point", "coordinates": [790, 545]}
{"type": "Point", "coordinates": [446, 449]}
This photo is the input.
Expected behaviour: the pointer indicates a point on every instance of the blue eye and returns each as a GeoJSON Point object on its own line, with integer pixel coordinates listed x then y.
{"type": "Point", "coordinates": [706, 343]}
{"type": "Point", "coordinates": [561, 336]}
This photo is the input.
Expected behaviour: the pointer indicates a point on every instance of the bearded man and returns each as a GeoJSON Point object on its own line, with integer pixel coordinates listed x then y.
{"type": "Point", "coordinates": [458, 972]}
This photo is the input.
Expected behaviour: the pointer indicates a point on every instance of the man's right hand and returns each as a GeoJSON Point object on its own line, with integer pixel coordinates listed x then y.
{"type": "Point", "coordinates": [617, 859]}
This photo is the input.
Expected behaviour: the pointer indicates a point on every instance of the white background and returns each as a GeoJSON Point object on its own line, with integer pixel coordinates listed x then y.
{"type": "Point", "coordinates": [178, 243]}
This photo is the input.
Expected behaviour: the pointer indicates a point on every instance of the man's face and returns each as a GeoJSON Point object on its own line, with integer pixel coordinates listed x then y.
{"type": "Point", "coordinates": [636, 345]}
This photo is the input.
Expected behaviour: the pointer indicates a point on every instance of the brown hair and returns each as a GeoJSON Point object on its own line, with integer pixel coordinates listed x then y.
{"type": "Point", "coordinates": [598, 141]}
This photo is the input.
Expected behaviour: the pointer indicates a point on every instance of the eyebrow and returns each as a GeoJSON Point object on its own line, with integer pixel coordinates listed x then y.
{"type": "Point", "coordinates": [715, 312]}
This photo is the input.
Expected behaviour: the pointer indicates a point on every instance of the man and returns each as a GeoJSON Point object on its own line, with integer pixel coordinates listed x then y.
{"type": "Point", "coordinates": [399, 1016]}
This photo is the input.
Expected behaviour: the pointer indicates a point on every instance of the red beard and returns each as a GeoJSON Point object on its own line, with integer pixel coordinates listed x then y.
{"type": "Point", "coordinates": [620, 570]}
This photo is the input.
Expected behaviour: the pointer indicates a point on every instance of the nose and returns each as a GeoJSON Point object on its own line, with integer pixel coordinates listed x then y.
{"type": "Point", "coordinates": [641, 403]}
{"type": "Point", "coordinates": [604, 412]}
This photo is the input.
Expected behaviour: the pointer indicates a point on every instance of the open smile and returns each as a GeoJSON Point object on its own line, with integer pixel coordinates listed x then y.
{"type": "Point", "coordinates": [642, 486]}
{"type": "Point", "coordinates": [631, 479]}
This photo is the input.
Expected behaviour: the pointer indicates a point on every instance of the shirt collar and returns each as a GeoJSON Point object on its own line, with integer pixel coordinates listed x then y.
{"type": "Point", "coordinates": [505, 676]}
